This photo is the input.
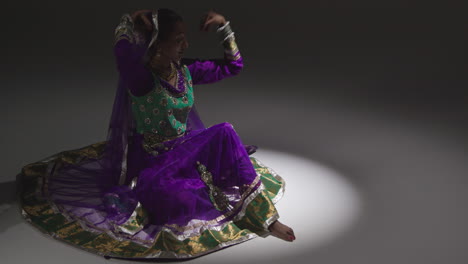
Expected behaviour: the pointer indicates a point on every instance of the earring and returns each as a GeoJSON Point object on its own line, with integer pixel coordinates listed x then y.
{"type": "Point", "coordinates": [156, 57]}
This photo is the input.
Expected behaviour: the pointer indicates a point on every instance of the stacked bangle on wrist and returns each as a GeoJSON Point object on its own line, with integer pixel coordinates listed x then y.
{"type": "Point", "coordinates": [225, 32]}
{"type": "Point", "coordinates": [125, 29]}
{"type": "Point", "coordinates": [227, 39]}
{"type": "Point", "coordinates": [226, 36]}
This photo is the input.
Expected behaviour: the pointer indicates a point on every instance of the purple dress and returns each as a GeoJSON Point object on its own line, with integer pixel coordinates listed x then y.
{"type": "Point", "coordinates": [169, 186]}
{"type": "Point", "coordinates": [183, 190]}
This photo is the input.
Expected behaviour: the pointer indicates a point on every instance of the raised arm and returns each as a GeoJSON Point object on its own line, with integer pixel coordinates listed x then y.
{"type": "Point", "coordinates": [129, 50]}
{"type": "Point", "coordinates": [213, 70]}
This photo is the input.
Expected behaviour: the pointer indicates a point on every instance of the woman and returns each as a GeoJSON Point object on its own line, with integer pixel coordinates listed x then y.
{"type": "Point", "coordinates": [162, 185]}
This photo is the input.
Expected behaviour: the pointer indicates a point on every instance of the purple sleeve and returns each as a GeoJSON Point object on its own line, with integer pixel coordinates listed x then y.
{"type": "Point", "coordinates": [129, 63]}
{"type": "Point", "coordinates": [210, 71]}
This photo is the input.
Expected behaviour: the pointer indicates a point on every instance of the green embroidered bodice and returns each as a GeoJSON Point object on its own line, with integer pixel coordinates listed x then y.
{"type": "Point", "coordinates": [161, 112]}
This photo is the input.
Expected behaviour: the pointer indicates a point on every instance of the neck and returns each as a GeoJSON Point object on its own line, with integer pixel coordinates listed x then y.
{"type": "Point", "coordinates": [161, 64]}
{"type": "Point", "coordinates": [164, 69]}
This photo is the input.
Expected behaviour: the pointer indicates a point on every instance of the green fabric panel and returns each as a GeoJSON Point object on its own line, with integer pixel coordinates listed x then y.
{"type": "Point", "coordinates": [162, 113]}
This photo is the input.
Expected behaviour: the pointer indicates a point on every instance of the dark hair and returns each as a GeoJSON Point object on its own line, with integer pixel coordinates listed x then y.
{"type": "Point", "coordinates": [167, 19]}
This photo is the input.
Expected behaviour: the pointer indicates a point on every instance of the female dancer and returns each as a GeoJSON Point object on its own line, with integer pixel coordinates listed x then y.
{"type": "Point", "coordinates": [162, 185]}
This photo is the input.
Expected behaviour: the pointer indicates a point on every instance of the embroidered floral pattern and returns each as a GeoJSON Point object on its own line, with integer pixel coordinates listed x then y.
{"type": "Point", "coordinates": [217, 197]}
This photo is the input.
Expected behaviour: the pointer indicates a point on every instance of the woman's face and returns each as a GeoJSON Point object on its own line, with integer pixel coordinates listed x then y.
{"type": "Point", "coordinates": [174, 47]}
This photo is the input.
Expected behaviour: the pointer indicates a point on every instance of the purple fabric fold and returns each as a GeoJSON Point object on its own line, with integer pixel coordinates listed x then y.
{"type": "Point", "coordinates": [169, 185]}
{"type": "Point", "coordinates": [213, 70]}
{"type": "Point", "coordinates": [129, 60]}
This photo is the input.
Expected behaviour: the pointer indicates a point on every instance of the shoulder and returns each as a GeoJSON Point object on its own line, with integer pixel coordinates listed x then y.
{"type": "Point", "coordinates": [188, 65]}
{"type": "Point", "coordinates": [194, 62]}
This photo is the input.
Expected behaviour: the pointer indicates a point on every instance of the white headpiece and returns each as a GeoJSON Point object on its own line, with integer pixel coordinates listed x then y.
{"type": "Point", "coordinates": [155, 28]}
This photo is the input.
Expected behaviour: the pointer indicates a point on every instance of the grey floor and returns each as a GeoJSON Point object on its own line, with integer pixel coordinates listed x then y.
{"type": "Point", "coordinates": [410, 175]}
{"type": "Point", "coordinates": [377, 97]}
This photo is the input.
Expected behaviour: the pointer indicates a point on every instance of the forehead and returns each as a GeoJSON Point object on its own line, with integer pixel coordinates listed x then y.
{"type": "Point", "coordinates": [179, 28]}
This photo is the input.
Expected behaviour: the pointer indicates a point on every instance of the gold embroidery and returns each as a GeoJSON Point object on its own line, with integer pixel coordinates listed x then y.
{"type": "Point", "coordinates": [181, 114]}
{"type": "Point", "coordinates": [124, 30]}
{"type": "Point", "coordinates": [153, 142]}
{"type": "Point", "coordinates": [120, 37]}
{"type": "Point", "coordinates": [135, 222]}
{"type": "Point", "coordinates": [217, 197]}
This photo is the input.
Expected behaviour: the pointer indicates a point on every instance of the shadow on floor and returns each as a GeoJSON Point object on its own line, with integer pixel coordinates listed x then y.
{"type": "Point", "coordinates": [8, 205]}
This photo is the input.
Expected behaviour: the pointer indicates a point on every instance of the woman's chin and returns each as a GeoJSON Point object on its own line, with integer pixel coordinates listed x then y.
{"type": "Point", "coordinates": [177, 59]}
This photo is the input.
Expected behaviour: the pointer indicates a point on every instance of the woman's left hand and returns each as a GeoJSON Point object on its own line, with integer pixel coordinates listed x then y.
{"type": "Point", "coordinates": [211, 18]}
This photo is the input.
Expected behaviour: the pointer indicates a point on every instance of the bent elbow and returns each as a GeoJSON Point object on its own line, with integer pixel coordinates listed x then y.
{"type": "Point", "coordinates": [237, 66]}
{"type": "Point", "coordinates": [236, 70]}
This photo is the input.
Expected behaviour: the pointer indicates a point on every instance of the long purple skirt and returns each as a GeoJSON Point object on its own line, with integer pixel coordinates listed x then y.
{"type": "Point", "coordinates": [170, 186]}
{"type": "Point", "coordinates": [192, 195]}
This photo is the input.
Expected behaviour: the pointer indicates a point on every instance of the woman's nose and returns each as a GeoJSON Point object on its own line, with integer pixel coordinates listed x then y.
{"type": "Point", "coordinates": [186, 44]}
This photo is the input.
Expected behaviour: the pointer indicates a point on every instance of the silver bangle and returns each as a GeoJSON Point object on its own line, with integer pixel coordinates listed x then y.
{"type": "Point", "coordinates": [230, 36]}
{"type": "Point", "coordinates": [225, 32]}
{"type": "Point", "coordinates": [223, 27]}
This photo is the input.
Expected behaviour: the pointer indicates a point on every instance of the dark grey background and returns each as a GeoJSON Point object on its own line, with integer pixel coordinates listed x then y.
{"type": "Point", "coordinates": [377, 91]}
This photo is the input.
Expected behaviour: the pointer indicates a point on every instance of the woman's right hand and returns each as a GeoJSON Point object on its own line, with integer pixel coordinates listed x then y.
{"type": "Point", "coordinates": [211, 18]}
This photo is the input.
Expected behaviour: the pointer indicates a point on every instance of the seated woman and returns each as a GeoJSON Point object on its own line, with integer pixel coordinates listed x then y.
{"type": "Point", "coordinates": [162, 185]}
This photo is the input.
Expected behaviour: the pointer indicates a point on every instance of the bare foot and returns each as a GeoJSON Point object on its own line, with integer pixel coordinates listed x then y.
{"type": "Point", "coordinates": [282, 231]}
